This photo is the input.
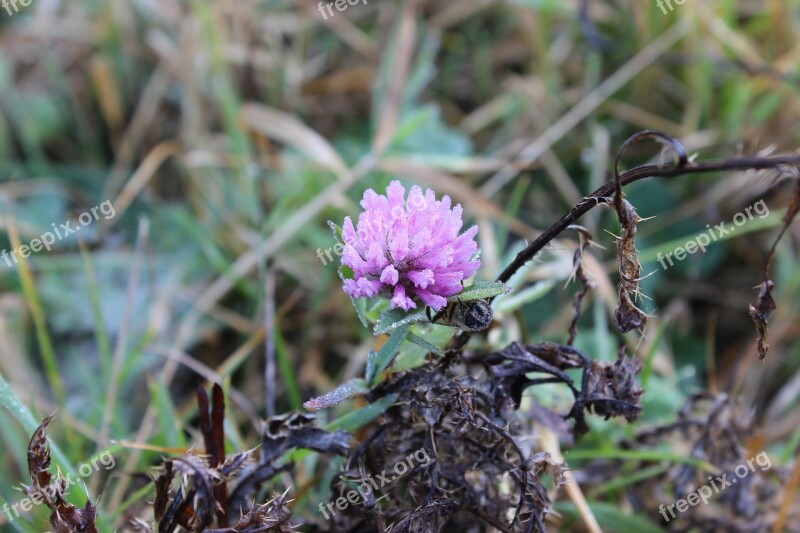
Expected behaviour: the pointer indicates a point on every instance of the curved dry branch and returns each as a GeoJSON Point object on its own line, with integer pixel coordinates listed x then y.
{"type": "Point", "coordinates": [610, 193]}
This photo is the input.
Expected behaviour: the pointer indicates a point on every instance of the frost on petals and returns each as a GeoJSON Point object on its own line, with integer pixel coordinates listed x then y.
{"type": "Point", "coordinates": [408, 250]}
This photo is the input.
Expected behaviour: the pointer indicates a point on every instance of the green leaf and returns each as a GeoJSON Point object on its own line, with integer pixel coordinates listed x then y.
{"type": "Point", "coordinates": [345, 272]}
{"type": "Point", "coordinates": [361, 309]}
{"type": "Point", "coordinates": [286, 370]}
{"type": "Point", "coordinates": [394, 318]}
{"type": "Point", "coordinates": [45, 116]}
{"type": "Point", "coordinates": [627, 479]}
{"type": "Point", "coordinates": [765, 107]}
{"type": "Point", "coordinates": [22, 527]}
{"type": "Point", "coordinates": [508, 304]}
{"type": "Point", "coordinates": [370, 371]}
{"type": "Point", "coordinates": [480, 290]}
{"type": "Point", "coordinates": [423, 132]}
{"type": "Point", "coordinates": [425, 344]}
{"type": "Point", "coordinates": [360, 304]}
{"type": "Point", "coordinates": [375, 307]}
{"type": "Point", "coordinates": [770, 220]}
{"type": "Point", "coordinates": [354, 387]}
{"type": "Point", "coordinates": [337, 232]}
{"type": "Point", "coordinates": [353, 420]}
{"type": "Point", "coordinates": [412, 355]}
{"type": "Point", "coordinates": [611, 518]}
{"type": "Point", "coordinates": [170, 434]}
{"type": "Point", "coordinates": [638, 455]}
{"type": "Point", "coordinates": [385, 355]}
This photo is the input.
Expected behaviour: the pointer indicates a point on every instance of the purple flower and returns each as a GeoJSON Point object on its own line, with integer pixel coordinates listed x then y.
{"type": "Point", "coordinates": [401, 249]}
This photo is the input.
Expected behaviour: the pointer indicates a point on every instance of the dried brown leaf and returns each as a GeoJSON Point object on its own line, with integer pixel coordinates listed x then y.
{"type": "Point", "coordinates": [760, 313]}
{"type": "Point", "coordinates": [39, 465]}
{"type": "Point", "coordinates": [65, 517]}
{"type": "Point", "coordinates": [579, 272]}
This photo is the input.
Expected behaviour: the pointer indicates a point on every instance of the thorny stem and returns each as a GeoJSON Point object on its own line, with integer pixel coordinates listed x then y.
{"type": "Point", "coordinates": [602, 194]}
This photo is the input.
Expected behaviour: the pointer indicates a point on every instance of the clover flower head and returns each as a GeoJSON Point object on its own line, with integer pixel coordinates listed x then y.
{"type": "Point", "coordinates": [405, 248]}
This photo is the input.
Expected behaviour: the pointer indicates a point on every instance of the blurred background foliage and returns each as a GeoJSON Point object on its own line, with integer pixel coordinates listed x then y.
{"type": "Point", "coordinates": [227, 133]}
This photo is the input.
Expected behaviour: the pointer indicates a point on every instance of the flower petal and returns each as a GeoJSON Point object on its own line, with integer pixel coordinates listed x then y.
{"type": "Point", "coordinates": [390, 275]}
{"type": "Point", "coordinates": [398, 240]}
{"type": "Point", "coordinates": [421, 278]}
{"type": "Point", "coordinates": [396, 194]}
{"type": "Point", "coordinates": [430, 299]}
{"type": "Point", "coordinates": [401, 300]}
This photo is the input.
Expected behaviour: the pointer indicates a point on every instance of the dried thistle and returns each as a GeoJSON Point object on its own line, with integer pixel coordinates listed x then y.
{"type": "Point", "coordinates": [199, 499]}
{"type": "Point", "coordinates": [712, 429]}
{"type": "Point", "coordinates": [65, 517]}
{"type": "Point", "coordinates": [478, 474]}
{"type": "Point", "coordinates": [628, 315]}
